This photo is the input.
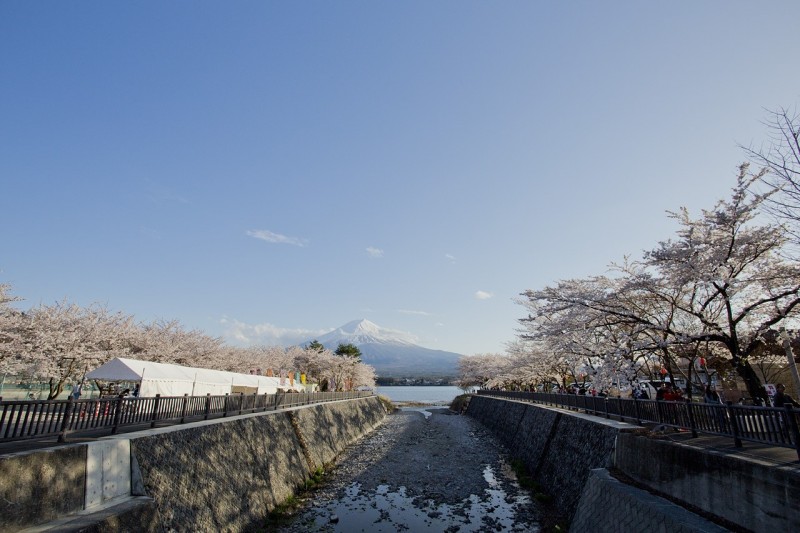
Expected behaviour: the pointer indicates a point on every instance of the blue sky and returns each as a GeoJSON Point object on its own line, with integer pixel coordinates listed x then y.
{"type": "Point", "coordinates": [267, 171]}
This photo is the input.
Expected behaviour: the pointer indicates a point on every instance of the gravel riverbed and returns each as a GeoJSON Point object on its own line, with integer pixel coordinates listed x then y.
{"type": "Point", "coordinates": [420, 470]}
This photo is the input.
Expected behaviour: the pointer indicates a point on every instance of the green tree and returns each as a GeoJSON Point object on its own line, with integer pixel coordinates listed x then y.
{"type": "Point", "coordinates": [349, 350]}
{"type": "Point", "coordinates": [315, 346]}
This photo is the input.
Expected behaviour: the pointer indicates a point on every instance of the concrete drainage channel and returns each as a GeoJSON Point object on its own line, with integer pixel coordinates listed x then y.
{"type": "Point", "coordinates": [227, 474]}
{"type": "Point", "coordinates": [421, 470]}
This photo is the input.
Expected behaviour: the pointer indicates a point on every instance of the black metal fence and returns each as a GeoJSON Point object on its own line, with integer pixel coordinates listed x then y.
{"type": "Point", "coordinates": [28, 419]}
{"type": "Point", "coordinates": [774, 426]}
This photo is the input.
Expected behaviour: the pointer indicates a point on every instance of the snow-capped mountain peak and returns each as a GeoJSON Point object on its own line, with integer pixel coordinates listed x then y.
{"type": "Point", "coordinates": [363, 331]}
{"type": "Point", "coordinates": [392, 353]}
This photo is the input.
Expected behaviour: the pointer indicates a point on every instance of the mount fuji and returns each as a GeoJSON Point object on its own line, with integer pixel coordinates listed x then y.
{"type": "Point", "coordinates": [392, 353]}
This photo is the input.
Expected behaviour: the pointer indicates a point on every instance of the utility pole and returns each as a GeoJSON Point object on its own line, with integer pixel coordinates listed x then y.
{"type": "Point", "coordinates": [790, 356]}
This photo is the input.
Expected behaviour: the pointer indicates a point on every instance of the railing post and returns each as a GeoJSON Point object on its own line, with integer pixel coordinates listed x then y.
{"type": "Point", "coordinates": [692, 426]}
{"type": "Point", "coordinates": [659, 405]}
{"type": "Point", "coordinates": [155, 411]}
{"type": "Point", "coordinates": [62, 436]}
{"type": "Point", "coordinates": [793, 427]}
{"type": "Point", "coordinates": [241, 402]}
{"type": "Point", "coordinates": [638, 412]}
{"type": "Point", "coordinates": [183, 411]}
{"type": "Point", "coordinates": [225, 406]}
{"type": "Point", "coordinates": [208, 406]}
{"type": "Point", "coordinates": [734, 425]}
{"type": "Point", "coordinates": [117, 415]}
{"type": "Point", "coordinates": [608, 415]}
{"type": "Point", "coordinates": [266, 402]}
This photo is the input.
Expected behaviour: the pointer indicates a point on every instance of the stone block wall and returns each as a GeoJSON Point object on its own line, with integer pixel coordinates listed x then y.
{"type": "Point", "coordinates": [40, 486]}
{"type": "Point", "coordinates": [325, 429]}
{"type": "Point", "coordinates": [222, 476]}
{"type": "Point", "coordinates": [558, 449]}
{"type": "Point", "coordinates": [228, 477]}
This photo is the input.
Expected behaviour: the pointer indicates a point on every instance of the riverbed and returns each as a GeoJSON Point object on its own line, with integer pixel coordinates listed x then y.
{"type": "Point", "coordinates": [422, 469]}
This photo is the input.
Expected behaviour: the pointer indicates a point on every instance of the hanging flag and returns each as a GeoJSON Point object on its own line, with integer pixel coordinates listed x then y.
{"type": "Point", "coordinates": [303, 379]}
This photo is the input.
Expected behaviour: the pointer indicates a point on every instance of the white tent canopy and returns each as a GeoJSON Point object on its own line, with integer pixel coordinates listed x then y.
{"type": "Point", "coordinates": [175, 380]}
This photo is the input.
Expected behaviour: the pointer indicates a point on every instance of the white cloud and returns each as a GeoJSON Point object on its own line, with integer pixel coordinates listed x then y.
{"type": "Point", "coordinates": [450, 258]}
{"type": "Point", "coordinates": [483, 295]}
{"type": "Point", "coordinates": [411, 312]}
{"type": "Point", "coordinates": [374, 252]}
{"type": "Point", "coordinates": [266, 334]}
{"type": "Point", "coordinates": [277, 238]}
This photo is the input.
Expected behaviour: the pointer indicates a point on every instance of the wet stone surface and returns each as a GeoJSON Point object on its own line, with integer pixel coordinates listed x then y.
{"type": "Point", "coordinates": [421, 470]}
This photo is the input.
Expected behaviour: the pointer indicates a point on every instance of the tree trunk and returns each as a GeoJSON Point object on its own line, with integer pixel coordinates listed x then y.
{"type": "Point", "coordinates": [55, 388]}
{"type": "Point", "coordinates": [754, 386]}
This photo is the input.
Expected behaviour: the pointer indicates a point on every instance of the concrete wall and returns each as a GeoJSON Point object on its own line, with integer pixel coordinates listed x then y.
{"type": "Point", "coordinates": [754, 495]}
{"type": "Point", "coordinates": [609, 505]}
{"type": "Point", "coordinates": [220, 475]}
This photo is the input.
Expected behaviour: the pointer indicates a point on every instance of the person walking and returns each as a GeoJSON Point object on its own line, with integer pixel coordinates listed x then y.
{"type": "Point", "coordinates": [711, 395]}
{"type": "Point", "coordinates": [782, 399]}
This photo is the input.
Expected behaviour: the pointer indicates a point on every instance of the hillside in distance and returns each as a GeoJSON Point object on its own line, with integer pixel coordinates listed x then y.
{"type": "Point", "coordinates": [392, 353]}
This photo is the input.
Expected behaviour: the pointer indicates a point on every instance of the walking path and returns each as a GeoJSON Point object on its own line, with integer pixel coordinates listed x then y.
{"type": "Point", "coordinates": [421, 470]}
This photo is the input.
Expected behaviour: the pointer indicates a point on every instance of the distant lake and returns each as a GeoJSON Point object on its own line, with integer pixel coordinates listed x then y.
{"type": "Point", "coordinates": [427, 395]}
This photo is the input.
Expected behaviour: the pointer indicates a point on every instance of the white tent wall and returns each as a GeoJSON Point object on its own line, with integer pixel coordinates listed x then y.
{"type": "Point", "coordinates": [175, 380]}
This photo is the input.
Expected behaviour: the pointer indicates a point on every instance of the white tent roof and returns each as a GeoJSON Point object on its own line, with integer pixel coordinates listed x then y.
{"type": "Point", "coordinates": [175, 380]}
{"type": "Point", "coordinates": [120, 369]}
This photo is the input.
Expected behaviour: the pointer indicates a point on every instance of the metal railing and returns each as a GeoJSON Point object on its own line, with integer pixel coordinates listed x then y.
{"type": "Point", "coordinates": [775, 426]}
{"type": "Point", "coordinates": [29, 419]}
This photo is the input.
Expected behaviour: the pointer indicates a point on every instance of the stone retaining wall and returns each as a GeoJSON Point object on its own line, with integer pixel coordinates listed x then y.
{"type": "Point", "coordinates": [218, 475]}
{"type": "Point", "coordinates": [230, 476]}
{"type": "Point", "coordinates": [559, 449]}
{"type": "Point", "coordinates": [41, 486]}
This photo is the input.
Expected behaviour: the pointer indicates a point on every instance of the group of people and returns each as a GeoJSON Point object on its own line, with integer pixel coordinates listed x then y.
{"type": "Point", "coordinates": [128, 394]}
{"type": "Point", "coordinates": [669, 393]}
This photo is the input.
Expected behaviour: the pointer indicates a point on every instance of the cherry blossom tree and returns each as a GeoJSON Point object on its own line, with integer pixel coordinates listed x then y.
{"type": "Point", "coordinates": [59, 343]}
{"type": "Point", "coordinates": [721, 282]}
{"type": "Point", "coordinates": [780, 160]}
{"type": "Point", "coordinates": [482, 369]}
{"type": "Point", "coordinates": [10, 336]}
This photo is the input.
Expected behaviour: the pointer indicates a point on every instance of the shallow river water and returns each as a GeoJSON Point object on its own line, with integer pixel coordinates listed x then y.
{"type": "Point", "coordinates": [424, 469]}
